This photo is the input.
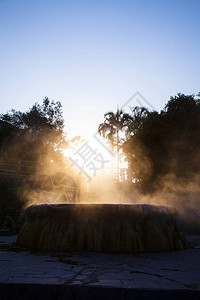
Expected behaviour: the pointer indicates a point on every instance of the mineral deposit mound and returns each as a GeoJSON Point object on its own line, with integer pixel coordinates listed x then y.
{"type": "Point", "coordinates": [109, 228]}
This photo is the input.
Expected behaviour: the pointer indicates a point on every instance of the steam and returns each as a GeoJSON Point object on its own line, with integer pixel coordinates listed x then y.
{"type": "Point", "coordinates": [181, 194]}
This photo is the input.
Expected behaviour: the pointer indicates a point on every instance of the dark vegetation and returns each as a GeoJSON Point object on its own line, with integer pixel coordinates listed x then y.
{"type": "Point", "coordinates": [157, 144]}
{"type": "Point", "coordinates": [29, 141]}
{"type": "Point", "coordinates": [31, 135]}
{"type": "Point", "coordinates": [168, 142]}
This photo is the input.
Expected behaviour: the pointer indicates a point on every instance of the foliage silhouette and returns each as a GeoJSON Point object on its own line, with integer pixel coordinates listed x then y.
{"type": "Point", "coordinates": [113, 124]}
{"type": "Point", "coordinates": [29, 141]}
{"type": "Point", "coordinates": [164, 143]}
{"type": "Point", "coordinates": [33, 134]}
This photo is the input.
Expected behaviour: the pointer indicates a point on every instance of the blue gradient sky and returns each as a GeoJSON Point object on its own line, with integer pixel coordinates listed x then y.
{"type": "Point", "coordinates": [93, 55]}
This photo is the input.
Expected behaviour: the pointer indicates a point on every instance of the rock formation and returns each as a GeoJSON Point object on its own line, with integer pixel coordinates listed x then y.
{"type": "Point", "coordinates": [101, 228]}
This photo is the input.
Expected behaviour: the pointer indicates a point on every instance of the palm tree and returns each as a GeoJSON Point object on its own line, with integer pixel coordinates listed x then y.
{"type": "Point", "coordinates": [139, 115]}
{"type": "Point", "coordinates": [110, 128]}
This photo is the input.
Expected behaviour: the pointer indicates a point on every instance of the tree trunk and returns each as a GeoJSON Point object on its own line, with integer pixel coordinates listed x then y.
{"type": "Point", "coordinates": [117, 154]}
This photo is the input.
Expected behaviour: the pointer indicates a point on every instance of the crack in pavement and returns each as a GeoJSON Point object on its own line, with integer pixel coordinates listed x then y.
{"type": "Point", "coordinates": [192, 286]}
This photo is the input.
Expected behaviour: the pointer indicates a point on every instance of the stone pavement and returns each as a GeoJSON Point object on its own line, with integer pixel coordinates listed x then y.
{"type": "Point", "coordinates": [167, 275]}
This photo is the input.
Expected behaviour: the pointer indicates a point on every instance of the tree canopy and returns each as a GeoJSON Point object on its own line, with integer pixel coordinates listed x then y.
{"type": "Point", "coordinates": [33, 134]}
{"type": "Point", "coordinates": [167, 142]}
{"type": "Point", "coordinates": [29, 141]}
{"type": "Point", "coordinates": [113, 125]}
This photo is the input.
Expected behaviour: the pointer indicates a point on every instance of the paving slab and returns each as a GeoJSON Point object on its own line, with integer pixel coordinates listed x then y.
{"type": "Point", "coordinates": [166, 275]}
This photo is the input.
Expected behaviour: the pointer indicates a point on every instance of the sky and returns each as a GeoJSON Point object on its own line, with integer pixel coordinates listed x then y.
{"type": "Point", "coordinates": [94, 55]}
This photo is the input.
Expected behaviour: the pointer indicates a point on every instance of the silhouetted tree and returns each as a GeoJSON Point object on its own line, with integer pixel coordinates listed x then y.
{"type": "Point", "coordinates": [33, 134]}
{"type": "Point", "coordinates": [167, 142]}
{"type": "Point", "coordinates": [110, 129]}
{"type": "Point", "coordinates": [28, 140]}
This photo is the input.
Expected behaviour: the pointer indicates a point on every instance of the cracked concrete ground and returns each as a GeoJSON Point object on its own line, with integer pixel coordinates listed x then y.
{"type": "Point", "coordinates": [167, 271]}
